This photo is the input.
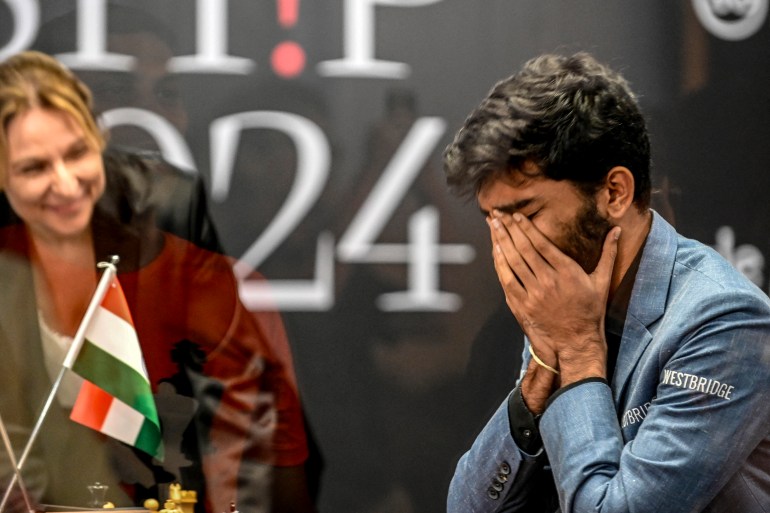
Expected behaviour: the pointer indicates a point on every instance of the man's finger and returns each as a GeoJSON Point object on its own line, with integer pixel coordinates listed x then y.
{"type": "Point", "coordinates": [512, 254]}
{"type": "Point", "coordinates": [530, 256]}
{"type": "Point", "coordinates": [510, 283]}
{"type": "Point", "coordinates": [546, 250]}
{"type": "Point", "coordinates": [603, 271]}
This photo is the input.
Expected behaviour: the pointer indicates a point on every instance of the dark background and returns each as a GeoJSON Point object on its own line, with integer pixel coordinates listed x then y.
{"type": "Point", "coordinates": [394, 397]}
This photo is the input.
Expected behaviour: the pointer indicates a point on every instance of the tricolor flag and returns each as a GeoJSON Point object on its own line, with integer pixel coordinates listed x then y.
{"type": "Point", "coordinates": [116, 398]}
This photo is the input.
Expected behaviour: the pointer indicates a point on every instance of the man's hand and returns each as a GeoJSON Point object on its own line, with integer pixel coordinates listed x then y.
{"type": "Point", "coordinates": [559, 306]}
{"type": "Point", "coordinates": [537, 386]}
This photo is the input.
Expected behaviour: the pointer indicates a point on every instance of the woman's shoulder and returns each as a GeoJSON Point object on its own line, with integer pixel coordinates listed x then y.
{"type": "Point", "coordinates": [141, 185]}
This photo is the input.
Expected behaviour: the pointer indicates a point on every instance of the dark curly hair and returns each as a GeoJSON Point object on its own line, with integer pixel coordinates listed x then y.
{"type": "Point", "coordinates": [572, 116]}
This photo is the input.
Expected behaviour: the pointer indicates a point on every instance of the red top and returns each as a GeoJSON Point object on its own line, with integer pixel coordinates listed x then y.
{"type": "Point", "coordinates": [247, 378]}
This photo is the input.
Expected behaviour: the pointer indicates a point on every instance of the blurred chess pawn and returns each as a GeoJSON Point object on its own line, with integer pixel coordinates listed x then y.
{"type": "Point", "coordinates": [98, 493]}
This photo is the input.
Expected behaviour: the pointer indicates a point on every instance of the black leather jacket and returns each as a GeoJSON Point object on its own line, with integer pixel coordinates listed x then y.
{"type": "Point", "coordinates": [141, 187]}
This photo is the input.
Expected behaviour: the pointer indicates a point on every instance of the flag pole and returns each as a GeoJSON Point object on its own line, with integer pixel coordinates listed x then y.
{"type": "Point", "coordinates": [101, 290]}
{"type": "Point", "coordinates": [17, 472]}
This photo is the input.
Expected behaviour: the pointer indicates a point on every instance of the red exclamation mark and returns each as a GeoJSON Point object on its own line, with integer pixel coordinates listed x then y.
{"type": "Point", "coordinates": [288, 58]}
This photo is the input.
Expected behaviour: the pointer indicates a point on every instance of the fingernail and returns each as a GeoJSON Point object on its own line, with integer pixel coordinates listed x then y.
{"type": "Point", "coordinates": [617, 232]}
{"type": "Point", "coordinates": [517, 217]}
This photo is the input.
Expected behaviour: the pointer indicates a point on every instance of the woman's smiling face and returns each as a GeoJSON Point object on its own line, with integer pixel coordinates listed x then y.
{"type": "Point", "coordinates": [54, 174]}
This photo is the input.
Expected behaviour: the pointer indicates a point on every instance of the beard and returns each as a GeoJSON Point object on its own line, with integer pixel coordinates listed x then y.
{"type": "Point", "coordinates": [583, 239]}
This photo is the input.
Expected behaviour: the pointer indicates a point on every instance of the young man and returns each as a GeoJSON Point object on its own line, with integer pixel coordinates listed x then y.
{"type": "Point", "coordinates": [645, 379]}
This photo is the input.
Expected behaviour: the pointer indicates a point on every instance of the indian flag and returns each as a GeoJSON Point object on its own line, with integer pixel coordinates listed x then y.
{"type": "Point", "coordinates": [116, 398]}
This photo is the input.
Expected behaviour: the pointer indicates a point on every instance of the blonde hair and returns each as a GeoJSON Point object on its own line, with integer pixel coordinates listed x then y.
{"type": "Point", "coordinates": [33, 79]}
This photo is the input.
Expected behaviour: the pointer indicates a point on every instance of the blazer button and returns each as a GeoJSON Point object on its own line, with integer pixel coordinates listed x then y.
{"type": "Point", "coordinates": [505, 469]}
{"type": "Point", "coordinates": [493, 494]}
{"type": "Point", "coordinates": [498, 487]}
{"type": "Point", "coordinates": [501, 478]}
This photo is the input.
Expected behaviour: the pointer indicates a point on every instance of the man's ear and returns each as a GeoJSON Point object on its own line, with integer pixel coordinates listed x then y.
{"type": "Point", "coordinates": [618, 192]}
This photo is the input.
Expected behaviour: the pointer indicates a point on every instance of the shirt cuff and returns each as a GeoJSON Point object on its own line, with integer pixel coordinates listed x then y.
{"type": "Point", "coordinates": [523, 424]}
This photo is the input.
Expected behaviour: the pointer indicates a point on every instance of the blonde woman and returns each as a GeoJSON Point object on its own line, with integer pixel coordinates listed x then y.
{"type": "Point", "coordinates": [223, 377]}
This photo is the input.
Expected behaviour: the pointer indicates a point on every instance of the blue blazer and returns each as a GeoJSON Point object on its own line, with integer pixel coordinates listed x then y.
{"type": "Point", "coordinates": [684, 426]}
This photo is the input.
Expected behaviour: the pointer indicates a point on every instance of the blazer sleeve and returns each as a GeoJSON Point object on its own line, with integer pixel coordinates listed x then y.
{"type": "Point", "coordinates": [699, 430]}
{"type": "Point", "coordinates": [495, 474]}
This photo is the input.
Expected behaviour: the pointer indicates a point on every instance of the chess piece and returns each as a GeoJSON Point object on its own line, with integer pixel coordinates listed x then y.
{"type": "Point", "coordinates": [184, 499]}
{"type": "Point", "coordinates": [98, 493]}
{"type": "Point", "coordinates": [170, 507]}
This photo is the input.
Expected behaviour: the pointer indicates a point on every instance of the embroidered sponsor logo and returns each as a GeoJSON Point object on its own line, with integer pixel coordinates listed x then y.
{"type": "Point", "coordinates": [634, 415]}
{"type": "Point", "coordinates": [698, 383]}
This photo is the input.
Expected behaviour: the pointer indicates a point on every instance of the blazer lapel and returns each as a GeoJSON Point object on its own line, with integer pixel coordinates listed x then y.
{"type": "Point", "coordinates": [648, 300]}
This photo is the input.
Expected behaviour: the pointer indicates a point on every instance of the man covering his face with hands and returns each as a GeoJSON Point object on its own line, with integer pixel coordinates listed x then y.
{"type": "Point", "coordinates": [644, 386]}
